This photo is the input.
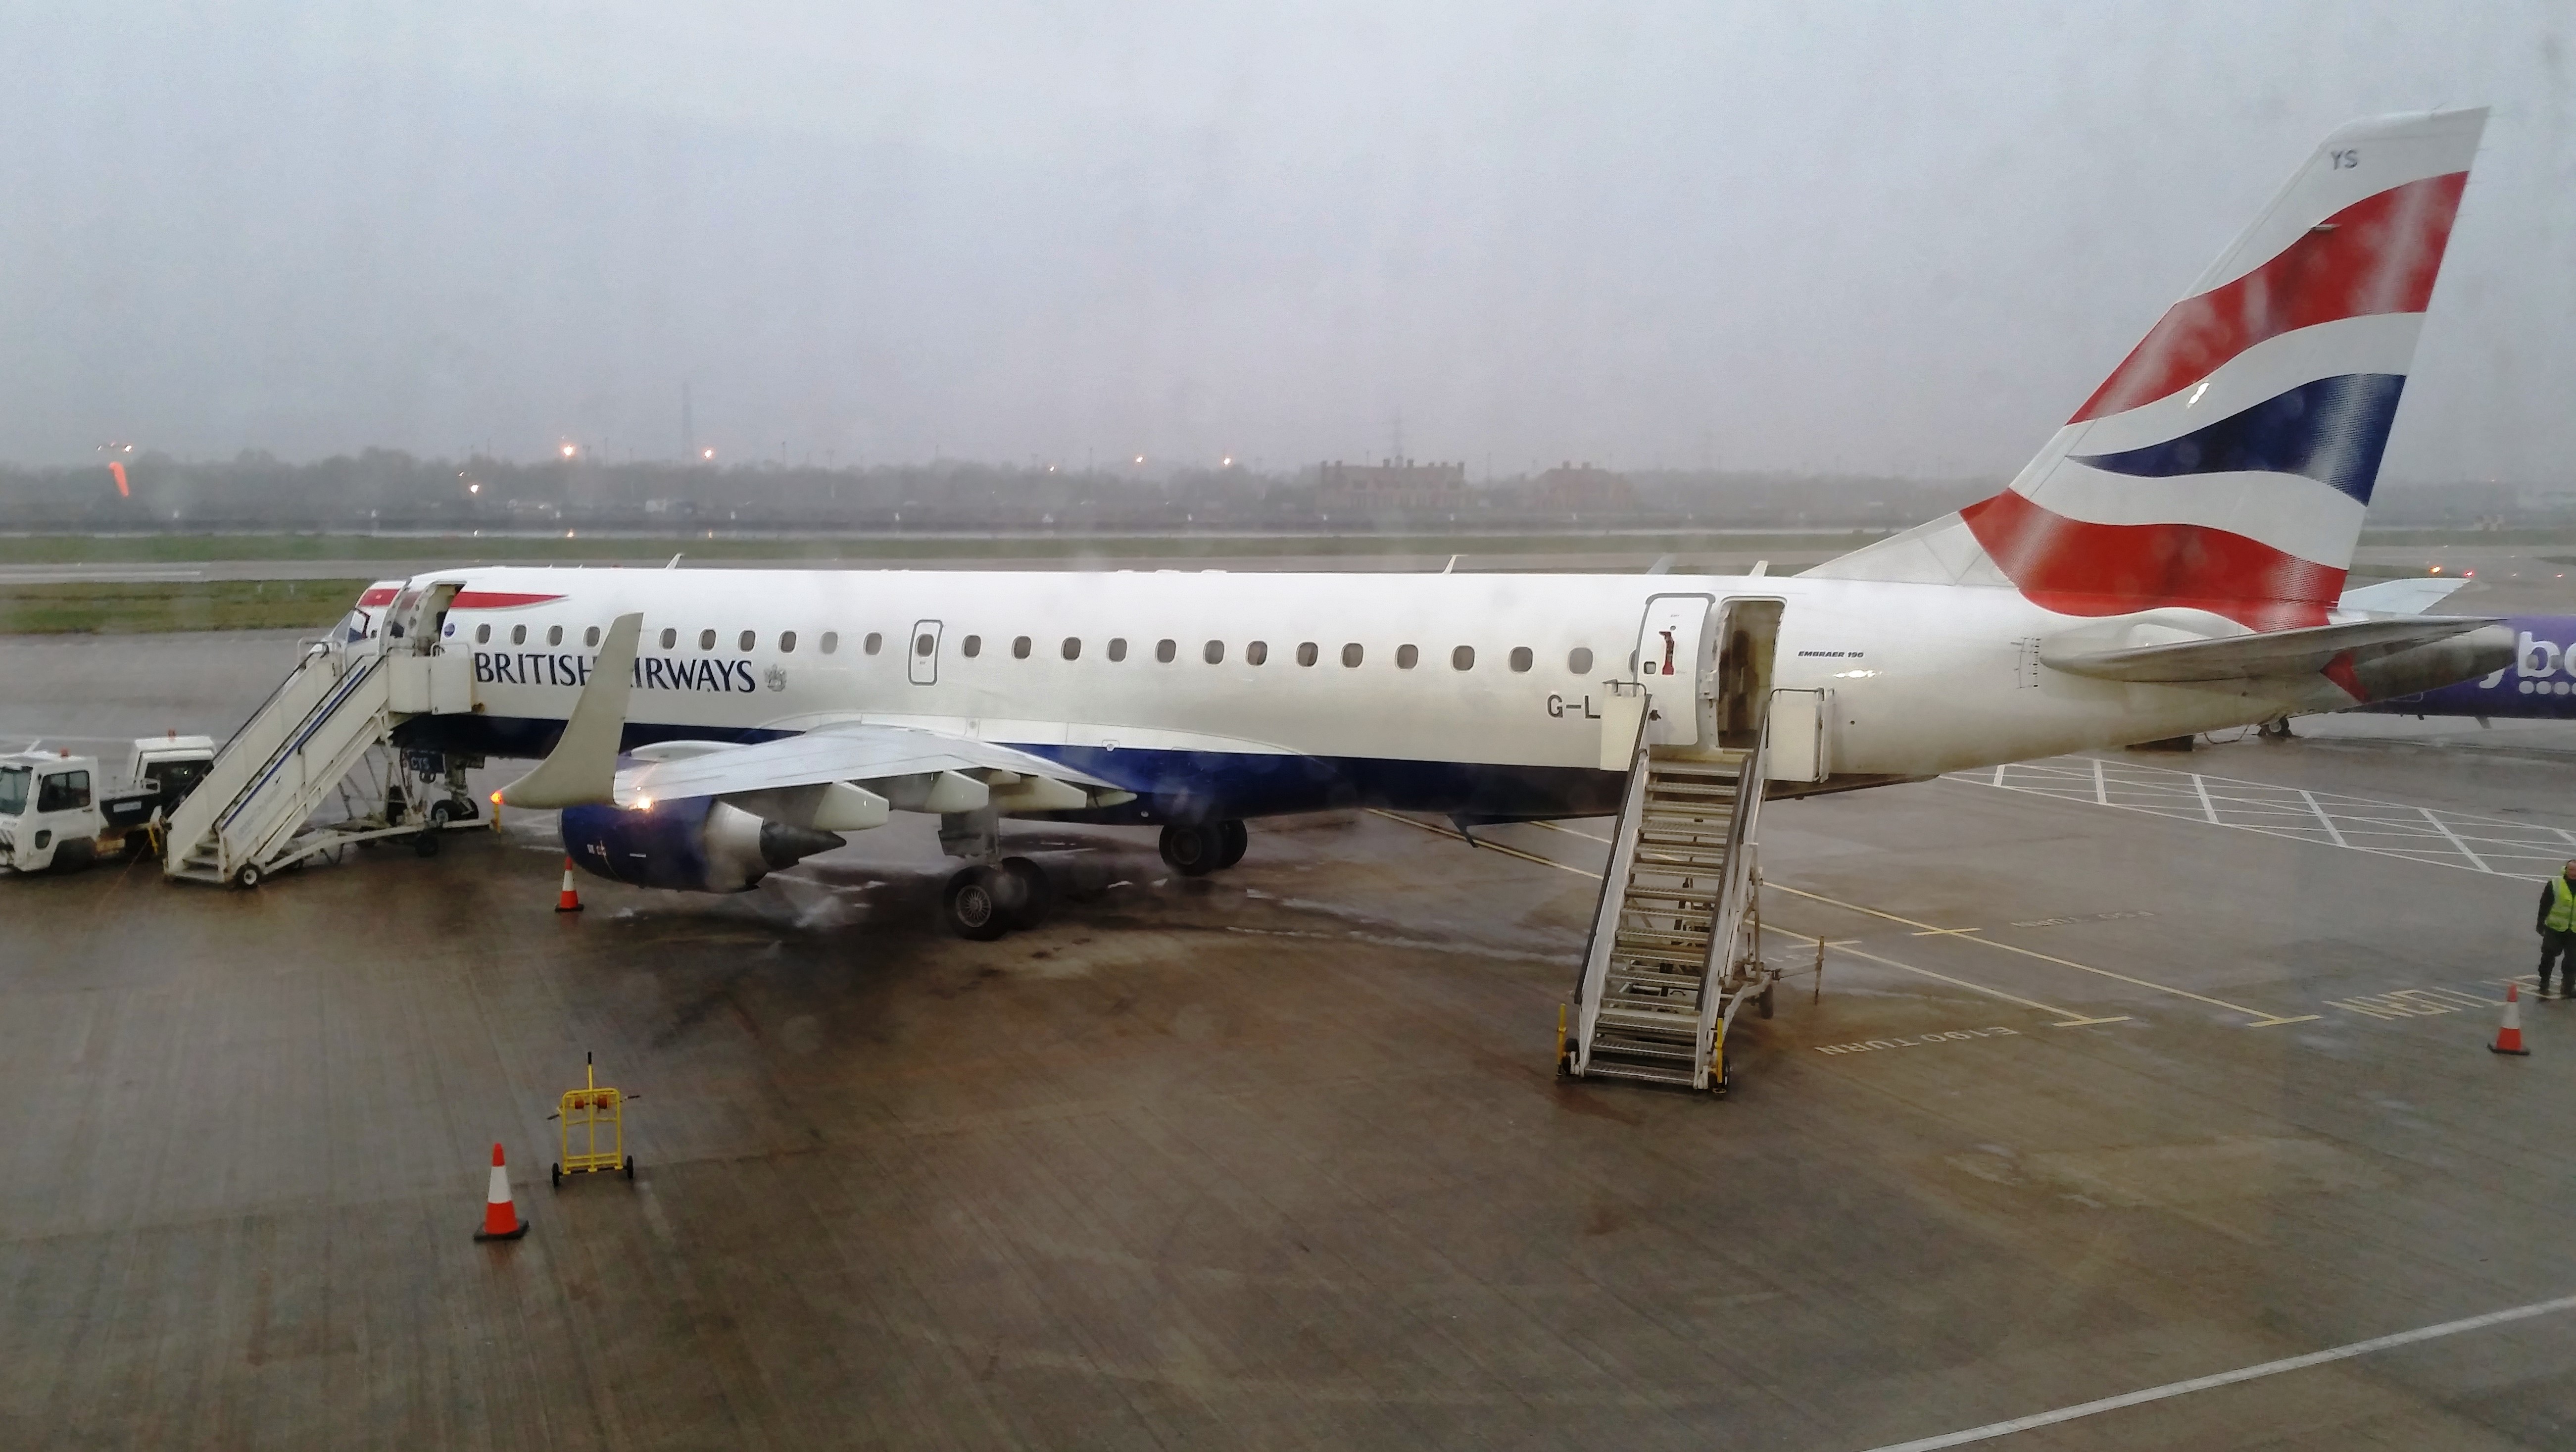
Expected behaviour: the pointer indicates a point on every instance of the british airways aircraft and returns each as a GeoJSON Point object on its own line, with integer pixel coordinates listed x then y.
{"type": "Point", "coordinates": [2171, 562]}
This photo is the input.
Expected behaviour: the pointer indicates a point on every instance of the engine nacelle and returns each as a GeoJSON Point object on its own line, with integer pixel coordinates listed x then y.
{"type": "Point", "coordinates": [695, 844]}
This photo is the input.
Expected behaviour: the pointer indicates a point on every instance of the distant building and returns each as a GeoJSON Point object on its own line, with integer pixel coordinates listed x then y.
{"type": "Point", "coordinates": [1579, 487]}
{"type": "Point", "coordinates": [1398, 484]}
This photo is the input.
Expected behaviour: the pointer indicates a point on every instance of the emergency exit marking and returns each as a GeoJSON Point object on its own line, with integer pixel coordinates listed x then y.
{"type": "Point", "coordinates": [1949, 1036]}
{"type": "Point", "coordinates": [2412, 1002]}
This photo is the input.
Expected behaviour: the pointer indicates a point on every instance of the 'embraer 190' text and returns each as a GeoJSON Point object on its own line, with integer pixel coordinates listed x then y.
{"type": "Point", "coordinates": [652, 673]}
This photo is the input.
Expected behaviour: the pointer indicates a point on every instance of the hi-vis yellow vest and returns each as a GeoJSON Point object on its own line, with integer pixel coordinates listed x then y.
{"type": "Point", "coordinates": [2562, 907]}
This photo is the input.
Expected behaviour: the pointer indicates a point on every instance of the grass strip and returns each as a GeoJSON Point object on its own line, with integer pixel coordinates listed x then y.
{"type": "Point", "coordinates": [144, 607]}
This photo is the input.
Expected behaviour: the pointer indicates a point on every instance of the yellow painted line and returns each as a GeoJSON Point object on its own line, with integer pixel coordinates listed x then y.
{"type": "Point", "coordinates": [1456, 836]}
{"type": "Point", "coordinates": [2068, 1017]}
{"type": "Point", "coordinates": [2261, 1019]}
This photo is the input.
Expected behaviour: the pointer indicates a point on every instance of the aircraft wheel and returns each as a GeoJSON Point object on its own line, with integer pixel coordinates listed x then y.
{"type": "Point", "coordinates": [1035, 896]}
{"type": "Point", "coordinates": [1191, 849]}
{"type": "Point", "coordinates": [973, 904]}
{"type": "Point", "coordinates": [1233, 839]}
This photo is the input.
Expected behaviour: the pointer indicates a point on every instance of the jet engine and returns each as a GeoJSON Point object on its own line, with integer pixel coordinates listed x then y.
{"type": "Point", "coordinates": [694, 844]}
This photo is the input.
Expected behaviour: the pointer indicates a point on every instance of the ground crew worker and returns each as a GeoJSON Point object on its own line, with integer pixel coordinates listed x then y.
{"type": "Point", "coordinates": [2558, 931]}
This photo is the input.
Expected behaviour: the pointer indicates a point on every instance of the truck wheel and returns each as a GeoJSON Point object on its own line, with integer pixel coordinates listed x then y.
{"type": "Point", "coordinates": [424, 844]}
{"type": "Point", "coordinates": [246, 876]}
{"type": "Point", "coordinates": [74, 854]}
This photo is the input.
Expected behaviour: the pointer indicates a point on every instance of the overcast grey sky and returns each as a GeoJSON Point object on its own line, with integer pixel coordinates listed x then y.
{"type": "Point", "coordinates": [1904, 239]}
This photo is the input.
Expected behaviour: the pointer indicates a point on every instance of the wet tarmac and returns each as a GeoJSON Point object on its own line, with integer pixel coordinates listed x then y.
{"type": "Point", "coordinates": [2089, 1100]}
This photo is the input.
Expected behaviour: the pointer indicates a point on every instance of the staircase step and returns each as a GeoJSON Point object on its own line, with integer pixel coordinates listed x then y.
{"type": "Point", "coordinates": [1630, 1018]}
{"type": "Point", "coordinates": [1639, 1073]}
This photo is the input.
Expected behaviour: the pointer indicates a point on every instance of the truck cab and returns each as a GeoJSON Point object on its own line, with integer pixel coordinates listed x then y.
{"type": "Point", "coordinates": [49, 813]}
{"type": "Point", "coordinates": [57, 812]}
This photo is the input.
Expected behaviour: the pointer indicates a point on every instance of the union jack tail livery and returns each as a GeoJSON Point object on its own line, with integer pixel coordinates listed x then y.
{"type": "Point", "coordinates": [2225, 465]}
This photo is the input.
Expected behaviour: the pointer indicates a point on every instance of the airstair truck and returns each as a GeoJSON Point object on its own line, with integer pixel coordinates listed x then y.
{"type": "Point", "coordinates": [56, 812]}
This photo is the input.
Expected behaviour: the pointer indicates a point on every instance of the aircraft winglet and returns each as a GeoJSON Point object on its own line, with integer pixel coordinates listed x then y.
{"type": "Point", "coordinates": [582, 769]}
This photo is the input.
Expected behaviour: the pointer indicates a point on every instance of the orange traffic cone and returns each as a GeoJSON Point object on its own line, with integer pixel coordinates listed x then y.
{"type": "Point", "coordinates": [2509, 1034]}
{"type": "Point", "coordinates": [500, 1218]}
{"type": "Point", "coordinates": [567, 901]}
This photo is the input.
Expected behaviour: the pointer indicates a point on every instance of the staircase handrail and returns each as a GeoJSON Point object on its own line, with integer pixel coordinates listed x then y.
{"type": "Point", "coordinates": [312, 721]}
{"type": "Point", "coordinates": [1594, 974]}
{"type": "Point", "coordinates": [1726, 909]}
{"type": "Point", "coordinates": [240, 760]}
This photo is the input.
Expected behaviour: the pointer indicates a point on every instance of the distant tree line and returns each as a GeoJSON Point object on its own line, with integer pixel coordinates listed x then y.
{"type": "Point", "coordinates": [389, 490]}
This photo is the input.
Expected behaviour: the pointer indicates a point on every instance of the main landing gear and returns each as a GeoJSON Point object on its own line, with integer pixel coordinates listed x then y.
{"type": "Point", "coordinates": [983, 903]}
{"type": "Point", "coordinates": [1195, 849]}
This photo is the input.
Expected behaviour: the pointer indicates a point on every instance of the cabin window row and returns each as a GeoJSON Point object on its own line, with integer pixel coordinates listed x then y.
{"type": "Point", "coordinates": [1578, 661]}
{"type": "Point", "coordinates": [749, 640]}
{"type": "Point", "coordinates": [1257, 652]}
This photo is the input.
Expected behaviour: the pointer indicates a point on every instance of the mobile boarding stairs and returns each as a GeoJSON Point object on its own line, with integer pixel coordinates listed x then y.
{"type": "Point", "coordinates": [1675, 949]}
{"type": "Point", "coordinates": [254, 814]}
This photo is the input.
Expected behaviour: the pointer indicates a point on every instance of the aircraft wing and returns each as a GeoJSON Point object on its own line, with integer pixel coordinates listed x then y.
{"type": "Point", "coordinates": [844, 776]}
{"type": "Point", "coordinates": [2265, 654]}
{"type": "Point", "coordinates": [2412, 595]}
{"type": "Point", "coordinates": [865, 754]}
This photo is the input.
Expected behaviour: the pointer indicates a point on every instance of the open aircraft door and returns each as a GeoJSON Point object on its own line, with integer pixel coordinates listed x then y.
{"type": "Point", "coordinates": [1676, 662]}
{"type": "Point", "coordinates": [923, 658]}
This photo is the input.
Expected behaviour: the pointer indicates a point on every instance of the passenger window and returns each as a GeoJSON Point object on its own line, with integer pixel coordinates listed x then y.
{"type": "Point", "coordinates": [1214, 651]}
{"type": "Point", "coordinates": [1256, 653]}
{"type": "Point", "coordinates": [1463, 658]}
{"type": "Point", "coordinates": [924, 643]}
{"type": "Point", "coordinates": [1072, 648]}
{"type": "Point", "coordinates": [518, 635]}
{"type": "Point", "coordinates": [482, 635]}
{"type": "Point", "coordinates": [750, 638]}
{"type": "Point", "coordinates": [590, 636]}
{"type": "Point", "coordinates": [970, 647]}
{"type": "Point", "coordinates": [670, 638]}
{"type": "Point", "coordinates": [1019, 647]}
{"type": "Point", "coordinates": [706, 640]}
{"type": "Point", "coordinates": [554, 635]}
{"type": "Point", "coordinates": [1579, 660]}
{"type": "Point", "coordinates": [1406, 657]}
{"type": "Point", "coordinates": [1117, 647]}
{"type": "Point", "coordinates": [1351, 654]}
{"type": "Point", "coordinates": [1521, 658]}
{"type": "Point", "coordinates": [787, 642]}
{"type": "Point", "coordinates": [1164, 650]}
{"type": "Point", "coordinates": [64, 791]}
{"type": "Point", "coordinates": [1306, 653]}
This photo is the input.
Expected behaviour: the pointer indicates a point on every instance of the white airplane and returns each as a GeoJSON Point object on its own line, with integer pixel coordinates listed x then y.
{"type": "Point", "coordinates": [2170, 563]}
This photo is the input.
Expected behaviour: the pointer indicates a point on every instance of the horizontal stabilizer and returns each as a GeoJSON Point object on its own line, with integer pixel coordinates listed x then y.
{"type": "Point", "coordinates": [2412, 595]}
{"type": "Point", "coordinates": [2270, 654]}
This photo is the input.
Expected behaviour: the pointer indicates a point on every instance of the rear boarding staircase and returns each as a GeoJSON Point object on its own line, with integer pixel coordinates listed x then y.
{"type": "Point", "coordinates": [1675, 944]}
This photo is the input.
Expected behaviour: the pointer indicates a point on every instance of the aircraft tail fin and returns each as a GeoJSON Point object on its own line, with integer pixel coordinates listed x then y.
{"type": "Point", "coordinates": [2226, 464]}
